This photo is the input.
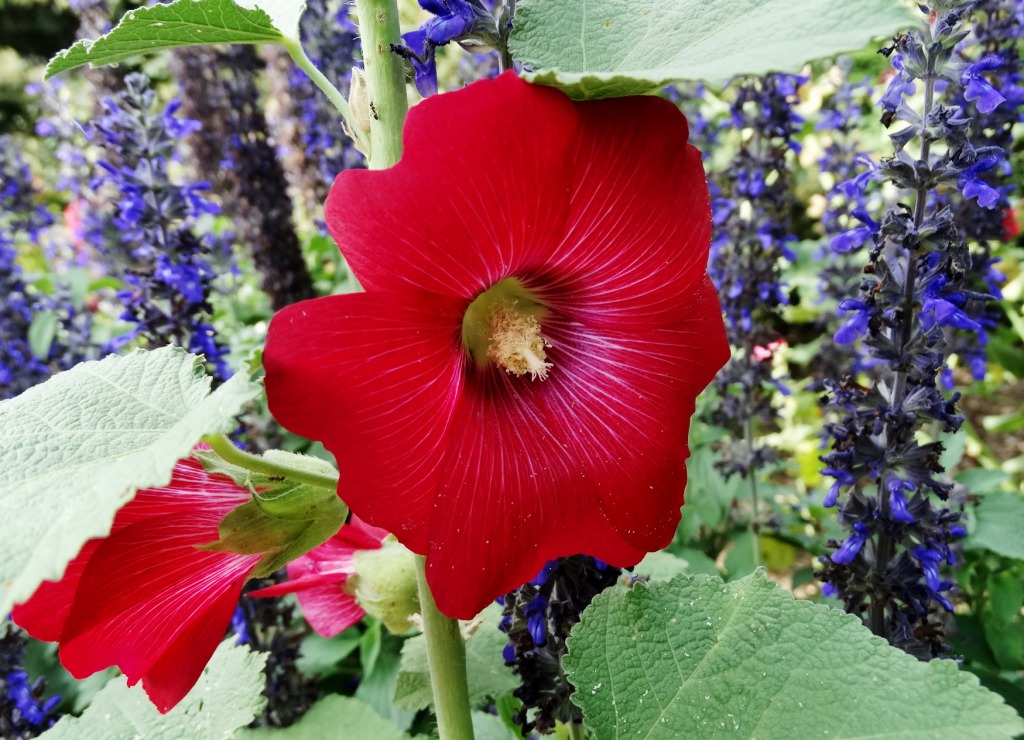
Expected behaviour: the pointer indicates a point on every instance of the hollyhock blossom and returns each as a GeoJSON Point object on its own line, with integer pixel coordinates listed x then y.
{"type": "Point", "coordinates": [515, 384]}
{"type": "Point", "coordinates": [145, 598]}
{"type": "Point", "coordinates": [319, 578]}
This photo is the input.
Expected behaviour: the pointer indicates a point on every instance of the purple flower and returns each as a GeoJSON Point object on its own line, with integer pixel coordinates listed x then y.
{"type": "Point", "coordinates": [466, 22]}
{"type": "Point", "coordinates": [853, 544]}
{"type": "Point", "coordinates": [900, 86]}
{"type": "Point", "coordinates": [848, 241]}
{"type": "Point", "coordinates": [977, 88]}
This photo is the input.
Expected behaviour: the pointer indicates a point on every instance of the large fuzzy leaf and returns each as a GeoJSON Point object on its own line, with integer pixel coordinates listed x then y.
{"type": "Point", "coordinates": [629, 47]}
{"type": "Point", "coordinates": [695, 657]}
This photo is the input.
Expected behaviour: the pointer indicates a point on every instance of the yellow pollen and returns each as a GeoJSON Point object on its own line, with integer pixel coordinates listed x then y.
{"type": "Point", "coordinates": [515, 341]}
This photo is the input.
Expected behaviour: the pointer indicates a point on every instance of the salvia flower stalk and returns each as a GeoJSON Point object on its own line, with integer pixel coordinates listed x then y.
{"type": "Point", "coordinates": [752, 237]}
{"type": "Point", "coordinates": [991, 96]}
{"type": "Point", "coordinates": [894, 500]}
{"type": "Point", "coordinates": [166, 264]}
{"type": "Point", "coordinates": [537, 617]}
{"type": "Point", "coordinates": [469, 23]}
{"type": "Point", "coordinates": [529, 346]}
{"type": "Point", "coordinates": [849, 220]}
{"type": "Point", "coordinates": [272, 627]}
{"type": "Point", "coordinates": [23, 219]}
{"type": "Point", "coordinates": [234, 151]}
{"type": "Point", "coordinates": [311, 139]}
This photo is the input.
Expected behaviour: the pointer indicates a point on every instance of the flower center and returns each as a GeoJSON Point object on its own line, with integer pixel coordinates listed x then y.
{"type": "Point", "coordinates": [502, 325]}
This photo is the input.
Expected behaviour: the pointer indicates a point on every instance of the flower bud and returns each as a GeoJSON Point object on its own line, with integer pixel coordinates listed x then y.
{"type": "Point", "coordinates": [384, 584]}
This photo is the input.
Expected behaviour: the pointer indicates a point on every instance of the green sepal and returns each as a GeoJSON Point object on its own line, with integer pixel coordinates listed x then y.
{"type": "Point", "coordinates": [291, 522]}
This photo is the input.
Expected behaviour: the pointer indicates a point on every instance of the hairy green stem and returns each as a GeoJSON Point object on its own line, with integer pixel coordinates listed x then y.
{"type": "Point", "coordinates": [446, 657]}
{"type": "Point", "coordinates": [298, 54]}
{"type": "Point", "coordinates": [576, 732]}
{"type": "Point", "coordinates": [256, 464]}
{"type": "Point", "coordinates": [385, 80]}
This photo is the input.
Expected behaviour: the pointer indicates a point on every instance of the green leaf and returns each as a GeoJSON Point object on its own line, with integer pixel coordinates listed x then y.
{"type": "Point", "coordinates": [227, 696]}
{"type": "Point", "coordinates": [487, 673]}
{"type": "Point", "coordinates": [953, 448]}
{"type": "Point", "coordinates": [630, 47]}
{"type": "Point", "coordinates": [41, 332]}
{"type": "Point", "coordinates": [377, 686]}
{"type": "Point", "coordinates": [982, 480]}
{"type": "Point", "coordinates": [319, 656]}
{"type": "Point", "coordinates": [745, 659]}
{"type": "Point", "coordinates": [741, 560]}
{"type": "Point", "coordinates": [335, 717]}
{"type": "Point", "coordinates": [661, 566]}
{"type": "Point", "coordinates": [74, 450]}
{"type": "Point", "coordinates": [999, 524]}
{"type": "Point", "coordinates": [1005, 596]}
{"type": "Point", "coordinates": [490, 727]}
{"type": "Point", "coordinates": [186, 23]}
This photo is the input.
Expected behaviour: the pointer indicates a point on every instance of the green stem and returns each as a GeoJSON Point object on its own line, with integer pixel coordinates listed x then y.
{"type": "Point", "coordinates": [299, 56]}
{"type": "Point", "coordinates": [446, 657]}
{"type": "Point", "coordinates": [385, 80]}
{"type": "Point", "coordinates": [576, 732]}
{"type": "Point", "coordinates": [256, 464]}
{"type": "Point", "coordinates": [755, 523]}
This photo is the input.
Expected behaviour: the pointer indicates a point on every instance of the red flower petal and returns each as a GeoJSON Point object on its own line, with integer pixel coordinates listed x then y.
{"type": "Point", "coordinates": [640, 219]}
{"type": "Point", "coordinates": [191, 487]}
{"type": "Point", "coordinates": [43, 615]}
{"type": "Point", "coordinates": [145, 598]}
{"type": "Point", "coordinates": [377, 376]}
{"type": "Point", "coordinates": [182, 661]}
{"type": "Point", "coordinates": [603, 207]}
{"type": "Point", "coordinates": [590, 461]}
{"type": "Point", "coordinates": [143, 590]}
{"type": "Point", "coordinates": [501, 153]}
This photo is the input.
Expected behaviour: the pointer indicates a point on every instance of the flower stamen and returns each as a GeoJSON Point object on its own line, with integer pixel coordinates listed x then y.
{"type": "Point", "coordinates": [515, 341]}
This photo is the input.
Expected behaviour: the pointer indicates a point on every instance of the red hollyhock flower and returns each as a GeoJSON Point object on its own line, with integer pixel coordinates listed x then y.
{"type": "Point", "coordinates": [145, 598]}
{"type": "Point", "coordinates": [318, 578]}
{"type": "Point", "coordinates": [515, 384]}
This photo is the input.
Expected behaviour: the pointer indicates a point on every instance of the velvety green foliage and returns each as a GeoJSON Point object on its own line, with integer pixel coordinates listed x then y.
{"type": "Point", "coordinates": [696, 657]}
{"type": "Point", "coordinates": [227, 697]}
{"type": "Point", "coordinates": [489, 677]}
{"type": "Point", "coordinates": [335, 717]}
{"type": "Point", "coordinates": [75, 449]}
{"type": "Point", "coordinates": [1000, 522]}
{"type": "Point", "coordinates": [630, 47]}
{"type": "Point", "coordinates": [185, 23]}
